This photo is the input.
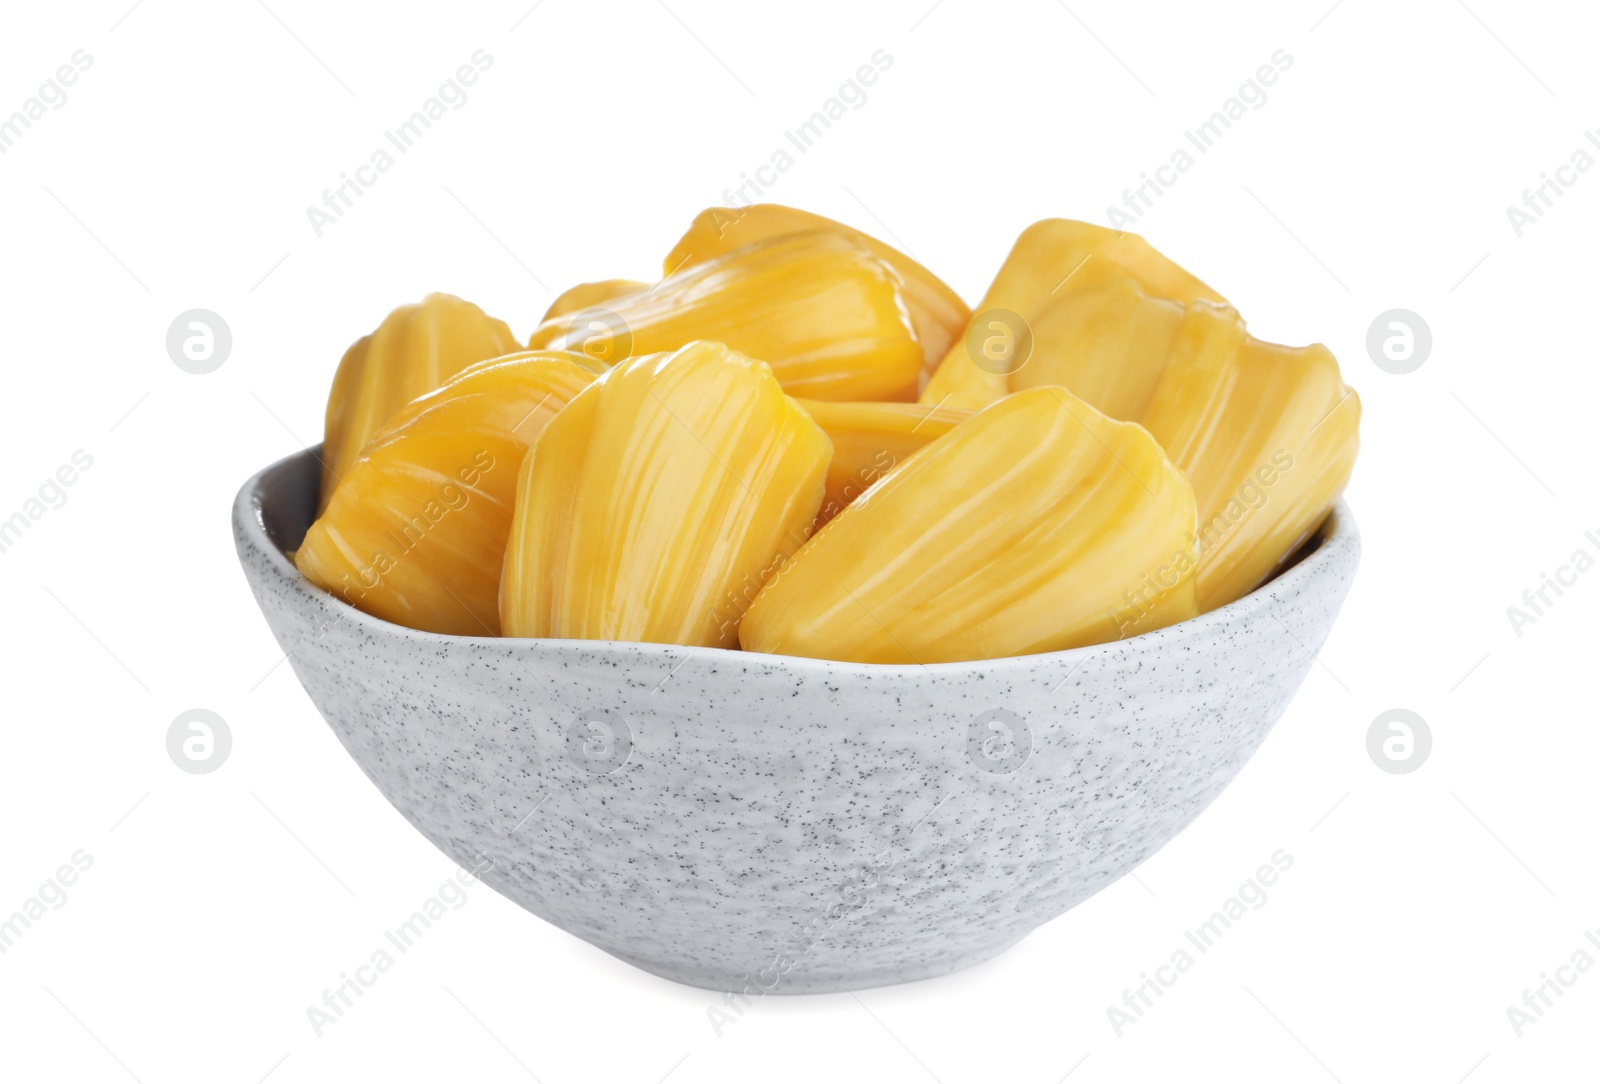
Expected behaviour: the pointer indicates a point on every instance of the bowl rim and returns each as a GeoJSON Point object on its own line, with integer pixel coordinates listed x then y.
{"type": "Point", "coordinates": [1336, 534]}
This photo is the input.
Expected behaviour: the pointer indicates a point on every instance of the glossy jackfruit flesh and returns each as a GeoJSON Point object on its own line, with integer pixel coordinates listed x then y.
{"type": "Point", "coordinates": [871, 439]}
{"type": "Point", "coordinates": [1130, 332]}
{"type": "Point", "coordinates": [1109, 343]}
{"type": "Point", "coordinates": [417, 533]}
{"type": "Point", "coordinates": [1266, 434]}
{"type": "Point", "coordinates": [1051, 260]}
{"type": "Point", "coordinates": [588, 295]}
{"type": "Point", "coordinates": [1059, 254]}
{"type": "Point", "coordinates": [415, 349]}
{"type": "Point", "coordinates": [937, 312]}
{"type": "Point", "coordinates": [1037, 525]}
{"type": "Point", "coordinates": [659, 501]}
{"type": "Point", "coordinates": [827, 315]}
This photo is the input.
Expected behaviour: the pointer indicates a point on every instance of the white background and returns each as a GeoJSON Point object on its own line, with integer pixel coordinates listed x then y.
{"type": "Point", "coordinates": [1377, 175]}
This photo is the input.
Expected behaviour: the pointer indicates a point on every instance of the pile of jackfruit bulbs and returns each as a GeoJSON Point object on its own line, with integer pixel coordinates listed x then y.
{"type": "Point", "coordinates": [800, 441]}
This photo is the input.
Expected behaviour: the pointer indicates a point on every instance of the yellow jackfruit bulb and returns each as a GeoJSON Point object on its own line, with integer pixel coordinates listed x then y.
{"type": "Point", "coordinates": [1109, 343]}
{"type": "Point", "coordinates": [417, 533]}
{"type": "Point", "coordinates": [1037, 525]}
{"type": "Point", "coordinates": [415, 349]}
{"type": "Point", "coordinates": [1267, 435]}
{"type": "Point", "coordinates": [827, 315]}
{"type": "Point", "coordinates": [1058, 254]}
{"type": "Point", "coordinates": [587, 295]}
{"type": "Point", "coordinates": [657, 503]}
{"type": "Point", "coordinates": [937, 312]}
{"type": "Point", "coordinates": [1050, 259]}
{"type": "Point", "coordinates": [870, 439]}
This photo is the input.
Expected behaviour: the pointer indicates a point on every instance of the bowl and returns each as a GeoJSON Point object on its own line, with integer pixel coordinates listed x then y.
{"type": "Point", "coordinates": [768, 824]}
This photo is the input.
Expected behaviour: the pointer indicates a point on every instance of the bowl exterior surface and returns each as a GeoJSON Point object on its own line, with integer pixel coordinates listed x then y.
{"type": "Point", "coordinates": [739, 821]}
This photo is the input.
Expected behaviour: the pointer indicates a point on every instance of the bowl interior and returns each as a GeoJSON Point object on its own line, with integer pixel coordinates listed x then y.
{"type": "Point", "coordinates": [286, 496]}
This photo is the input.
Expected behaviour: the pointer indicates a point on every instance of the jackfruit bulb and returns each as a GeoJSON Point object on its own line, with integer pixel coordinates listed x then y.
{"type": "Point", "coordinates": [415, 349]}
{"type": "Point", "coordinates": [660, 500]}
{"type": "Point", "coordinates": [1037, 525]}
{"type": "Point", "coordinates": [417, 533]}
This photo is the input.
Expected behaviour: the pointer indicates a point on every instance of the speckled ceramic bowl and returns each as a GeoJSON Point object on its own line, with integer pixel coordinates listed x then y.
{"type": "Point", "coordinates": [742, 822]}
